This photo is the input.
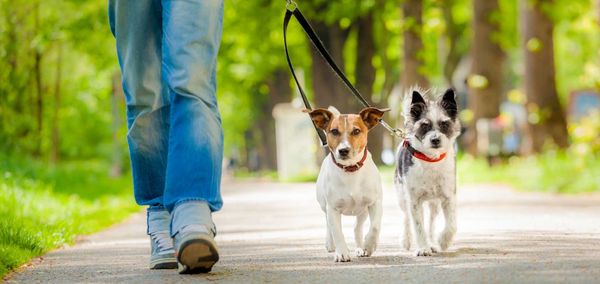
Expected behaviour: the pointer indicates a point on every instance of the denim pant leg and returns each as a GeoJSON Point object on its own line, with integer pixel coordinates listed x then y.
{"type": "Point", "coordinates": [137, 27]}
{"type": "Point", "coordinates": [191, 37]}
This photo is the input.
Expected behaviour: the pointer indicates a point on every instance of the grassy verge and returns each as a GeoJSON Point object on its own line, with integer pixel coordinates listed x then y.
{"type": "Point", "coordinates": [553, 171]}
{"type": "Point", "coordinates": [43, 207]}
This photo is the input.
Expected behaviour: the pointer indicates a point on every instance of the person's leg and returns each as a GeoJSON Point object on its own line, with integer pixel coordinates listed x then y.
{"type": "Point", "coordinates": [192, 34]}
{"type": "Point", "coordinates": [137, 27]}
{"type": "Point", "coordinates": [191, 38]}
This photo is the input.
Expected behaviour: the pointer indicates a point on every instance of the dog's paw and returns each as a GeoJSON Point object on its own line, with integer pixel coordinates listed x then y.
{"type": "Point", "coordinates": [363, 252]}
{"type": "Point", "coordinates": [406, 243]}
{"type": "Point", "coordinates": [434, 249]}
{"type": "Point", "coordinates": [444, 245]}
{"type": "Point", "coordinates": [446, 240]}
{"type": "Point", "coordinates": [330, 247]}
{"type": "Point", "coordinates": [424, 252]}
{"type": "Point", "coordinates": [341, 256]}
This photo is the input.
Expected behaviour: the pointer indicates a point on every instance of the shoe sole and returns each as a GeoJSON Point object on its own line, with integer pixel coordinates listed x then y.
{"type": "Point", "coordinates": [164, 263]}
{"type": "Point", "coordinates": [197, 256]}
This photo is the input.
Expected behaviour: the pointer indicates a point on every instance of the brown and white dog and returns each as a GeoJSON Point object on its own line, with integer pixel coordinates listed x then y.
{"type": "Point", "coordinates": [349, 181]}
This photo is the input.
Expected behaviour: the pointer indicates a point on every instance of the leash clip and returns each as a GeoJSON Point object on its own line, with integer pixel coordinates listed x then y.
{"type": "Point", "coordinates": [291, 5]}
{"type": "Point", "coordinates": [394, 131]}
{"type": "Point", "coordinates": [398, 133]}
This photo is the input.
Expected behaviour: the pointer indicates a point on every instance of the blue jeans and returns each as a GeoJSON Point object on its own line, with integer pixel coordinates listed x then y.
{"type": "Point", "coordinates": [167, 51]}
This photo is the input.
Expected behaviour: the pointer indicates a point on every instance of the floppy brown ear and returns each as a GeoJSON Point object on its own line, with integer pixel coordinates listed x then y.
{"type": "Point", "coordinates": [371, 115]}
{"type": "Point", "coordinates": [321, 117]}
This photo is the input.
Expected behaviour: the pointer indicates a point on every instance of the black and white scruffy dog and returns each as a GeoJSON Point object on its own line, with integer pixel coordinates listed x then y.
{"type": "Point", "coordinates": [426, 171]}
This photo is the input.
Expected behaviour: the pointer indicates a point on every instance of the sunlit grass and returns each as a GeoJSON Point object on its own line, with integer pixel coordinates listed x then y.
{"type": "Point", "coordinates": [553, 171]}
{"type": "Point", "coordinates": [44, 207]}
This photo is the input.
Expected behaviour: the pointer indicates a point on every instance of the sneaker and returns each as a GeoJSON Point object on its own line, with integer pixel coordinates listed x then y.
{"type": "Point", "coordinates": [197, 250]}
{"type": "Point", "coordinates": [163, 253]}
{"type": "Point", "coordinates": [193, 232]}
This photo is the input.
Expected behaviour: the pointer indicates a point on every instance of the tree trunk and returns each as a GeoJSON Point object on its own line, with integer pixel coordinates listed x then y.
{"type": "Point", "coordinates": [328, 89]}
{"type": "Point", "coordinates": [55, 150]}
{"type": "Point", "coordinates": [546, 116]}
{"type": "Point", "coordinates": [488, 60]}
{"type": "Point", "coordinates": [598, 11]}
{"type": "Point", "coordinates": [279, 92]}
{"type": "Point", "coordinates": [412, 74]}
{"type": "Point", "coordinates": [486, 76]}
{"type": "Point", "coordinates": [39, 102]}
{"type": "Point", "coordinates": [365, 76]}
{"type": "Point", "coordinates": [454, 34]}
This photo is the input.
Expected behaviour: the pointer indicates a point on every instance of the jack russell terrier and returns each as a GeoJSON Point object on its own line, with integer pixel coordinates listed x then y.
{"type": "Point", "coordinates": [426, 171]}
{"type": "Point", "coordinates": [349, 182]}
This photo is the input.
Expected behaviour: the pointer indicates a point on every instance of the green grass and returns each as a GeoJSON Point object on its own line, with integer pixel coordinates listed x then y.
{"type": "Point", "coordinates": [44, 207]}
{"type": "Point", "coordinates": [553, 172]}
{"type": "Point", "coordinates": [244, 174]}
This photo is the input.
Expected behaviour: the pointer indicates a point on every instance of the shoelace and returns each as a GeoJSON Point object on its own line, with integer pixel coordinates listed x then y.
{"type": "Point", "coordinates": [163, 240]}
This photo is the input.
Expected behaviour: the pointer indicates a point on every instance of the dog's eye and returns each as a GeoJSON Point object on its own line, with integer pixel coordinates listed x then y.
{"type": "Point", "coordinates": [356, 131]}
{"type": "Point", "coordinates": [425, 126]}
{"type": "Point", "coordinates": [444, 124]}
{"type": "Point", "coordinates": [335, 132]}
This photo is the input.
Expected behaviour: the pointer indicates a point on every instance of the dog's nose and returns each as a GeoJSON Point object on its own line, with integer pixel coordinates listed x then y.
{"type": "Point", "coordinates": [435, 141]}
{"type": "Point", "coordinates": [344, 152]}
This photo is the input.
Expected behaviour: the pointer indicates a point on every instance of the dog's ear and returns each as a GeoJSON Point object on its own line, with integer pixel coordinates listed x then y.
{"type": "Point", "coordinates": [417, 105]}
{"type": "Point", "coordinates": [448, 103]}
{"type": "Point", "coordinates": [321, 117]}
{"type": "Point", "coordinates": [371, 115]}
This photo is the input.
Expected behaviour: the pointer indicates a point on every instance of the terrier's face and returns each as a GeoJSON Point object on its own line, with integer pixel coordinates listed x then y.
{"type": "Point", "coordinates": [347, 133]}
{"type": "Point", "coordinates": [432, 125]}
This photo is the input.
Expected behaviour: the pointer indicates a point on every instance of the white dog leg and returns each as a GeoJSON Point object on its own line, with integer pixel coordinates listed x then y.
{"type": "Point", "coordinates": [358, 233]}
{"type": "Point", "coordinates": [406, 234]}
{"type": "Point", "coordinates": [334, 219]}
{"type": "Point", "coordinates": [329, 244]}
{"type": "Point", "coordinates": [416, 210]}
{"type": "Point", "coordinates": [449, 208]}
{"type": "Point", "coordinates": [433, 212]}
{"type": "Point", "coordinates": [375, 212]}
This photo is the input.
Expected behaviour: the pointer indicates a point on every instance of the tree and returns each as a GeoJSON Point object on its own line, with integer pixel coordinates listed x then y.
{"type": "Point", "coordinates": [364, 74]}
{"type": "Point", "coordinates": [55, 150]}
{"type": "Point", "coordinates": [328, 90]}
{"type": "Point", "coordinates": [279, 92]}
{"type": "Point", "coordinates": [487, 60]}
{"type": "Point", "coordinates": [412, 74]}
{"type": "Point", "coordinates": [546, 116]}
{"type": "Point", "coordinates": [455, 37]}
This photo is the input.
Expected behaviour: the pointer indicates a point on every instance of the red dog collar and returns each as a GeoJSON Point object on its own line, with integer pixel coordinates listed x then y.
{"type": "Point", "coordinates": [352, 168]}
{"type": "Point", "coordinates": [420, 155]}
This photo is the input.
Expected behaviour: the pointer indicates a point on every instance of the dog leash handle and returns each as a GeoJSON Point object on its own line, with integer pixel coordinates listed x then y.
{"type": "Point", "coordinates": [291, 6]}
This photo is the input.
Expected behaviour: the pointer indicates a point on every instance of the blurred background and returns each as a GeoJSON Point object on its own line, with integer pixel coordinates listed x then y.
{"type": "Point", "coordinates": [527, 75]}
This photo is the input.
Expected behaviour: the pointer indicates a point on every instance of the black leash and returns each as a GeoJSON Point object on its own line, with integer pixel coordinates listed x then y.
{"type": "Point", "coordinates": [292, 10]}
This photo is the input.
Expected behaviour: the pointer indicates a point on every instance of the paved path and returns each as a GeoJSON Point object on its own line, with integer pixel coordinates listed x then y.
{"type": "Point", "coordinates": [275, 233]}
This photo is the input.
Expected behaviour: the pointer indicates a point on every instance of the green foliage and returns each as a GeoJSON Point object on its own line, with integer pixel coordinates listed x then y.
{"type": "Point", "coordinates": [45, 207]}
{"type": "Point", "coordinates": [87, 62]}
{"type": "Point", "coordinates": [573, 170]}
{"type": "Point", "coordinates": [577, 46]}
{"type": "Point", "coordinates": [251, 51]}
{"type": "Point", "coordinates": [585, 135]}
{"type": "Point", "coordinates": [552, 171]}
